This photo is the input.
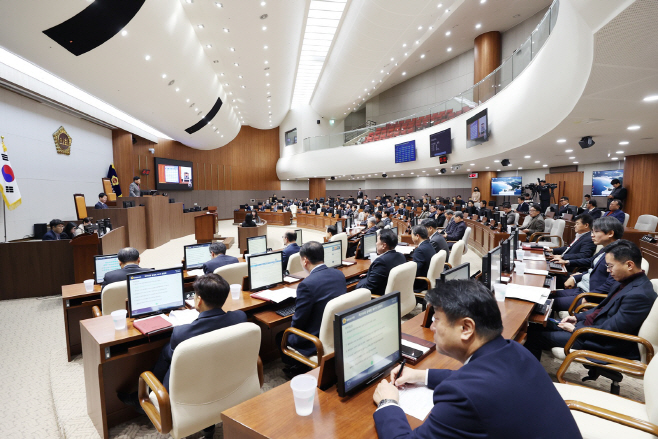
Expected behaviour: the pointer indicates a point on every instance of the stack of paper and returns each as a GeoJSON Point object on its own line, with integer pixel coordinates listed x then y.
{"type": "Point", "coordinates": [405, 250]}
{"type": "Point", "coordinates": [413, 345]}
{"type": "Point", "coordinates": [197, 272]}
{"type": "Point", "coordinates": [534, 257]}
{"type": "Point", "coordinates": [535, 271]}
{"type": "Point", "coordinates": [181, 317]}
{"type": "Point", "coordinates": [290, 280]}
{"type": "Point", "coordinates": [416, 401]}
{"type": "Point", "coordinates": [523, 292]}
{"type": "Point", "coordinates": [276, 296]}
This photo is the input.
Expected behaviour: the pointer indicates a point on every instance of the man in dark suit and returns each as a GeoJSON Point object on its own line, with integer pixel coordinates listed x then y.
{"type": "Point", "coordinates": [467, 401]}
{"type": "Point", "coordinates": [313, 294]}
{"type": "Point", "coordinates": [377, 277]}
{"type": "Point", "coordinates": [614, 210]}
{"type": "Point", "coordinates": [436, 239]}
{"type": "Point", "coordinates": [618, 193]}
{"type": "Point", "coordinates": [359, 194]}
{"type": "Point", "coordinates": [402, 212]}
{"type": "Point", "coordinates": [102, 199]}
{"type": "Point", "coordinates": [544, 195]}
{"type": "Point", "coordinates": [422, 255]}
{"type": "Point", "coordinates": [509, 215]}
{"type": "Point", "coordinates": [371, 225]}
{"type": "Point", "coordinates": [456, 232]}
{"type": "Point", "coordinates": [129, 263]}
{"type": "Point", "coordinates": [441, 216]}
{"type": "Point", "coordinates": [581, 249]}
{"type": "Point", "coordinates": [623, 310]}
{"type": "Point", "coordinates": [523, 207]}
{"type": "Point", "coordinates": [564, 207]}
{"type": "Point", "coordinates": [219, 258]}
{"type": "Point", "coordinates": [56, 231]}
{"type": "Point", "coordinates": [592, 210]}
{"type": "Point", "coordinates": [605, 231]}
{"type": "Point", "coordinates": [291, 247]}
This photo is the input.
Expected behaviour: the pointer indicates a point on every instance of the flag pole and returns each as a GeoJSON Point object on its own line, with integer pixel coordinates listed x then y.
{"type": "Point", "coordinates": [4, 217]}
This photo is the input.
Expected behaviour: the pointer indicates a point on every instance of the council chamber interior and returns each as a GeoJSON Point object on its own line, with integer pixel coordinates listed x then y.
{"type": "Point", "coordinates": [175, 172]}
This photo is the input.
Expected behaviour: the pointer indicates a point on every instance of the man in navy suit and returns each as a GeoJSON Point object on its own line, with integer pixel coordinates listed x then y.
{"type": "Point", "coordinates": [377, 277]}
{"type": "Point", "coordinates": [102, 199]}
{"type": "Point", "coordinates": [291, 247]}
{"type": "Point", "coordinates": [219, 258]}
{"type": "Point", "coordinates": [436, 239]}
{"type": "Point", "coordinates": [313, 294]}
{"type": "Point", "coordinates": [523, 207]}
{"type": "Point", "coordinates": [578, 252]}
{"type": "Point", "coordinates": [624, 310]}
{"type": "Point", "coordinates": [596, 279]}
{"type": "Point", "coordinates": [500, 392]}
{"type": "Point", "coordinates": [614, 210]}
{"type": "Point", "coordinates": [422, 255]}
{"type": "Point", "coordinates": [564, 206]}
{"type": "Point", "coordinates": [56, 231]}
{"type": "Point", "coordinates": [456, 229]}
{"type": "Point", "coordinates": [129, 263]}
{"type": "Point", "coordinates": [592, 210]}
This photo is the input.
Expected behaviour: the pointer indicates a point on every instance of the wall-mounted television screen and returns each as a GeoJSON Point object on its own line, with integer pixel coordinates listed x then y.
{"type": "Point", "coordinates": [601, 185]}
{"type": "Point", "coordinates": [477, 129]}
{"type": "Point", "coordinates": [506, 186]}
{"type": "Point", "coordinates": [405, 152]}
{"type": "Point", "coordinates": [440, 143]}
{"type": "Point", "coordinates": [173, 175]}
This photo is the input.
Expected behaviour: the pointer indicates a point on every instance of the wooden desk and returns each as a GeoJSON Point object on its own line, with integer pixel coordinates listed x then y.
{"type": "Point", "coordinates": [483, 239]}
{"type": "Point", "coordinates": [132, 219]}
{"type": "Point", "coordinates": [317, 222]}
{"type": "Point", "coordinates": [278, 218]}
{"type": "Point", "coordinates": [77, 304]}
{"type": "Point", "coordinates": [250, 232]}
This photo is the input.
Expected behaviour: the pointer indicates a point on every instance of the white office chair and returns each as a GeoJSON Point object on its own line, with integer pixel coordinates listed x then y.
{"type": "Point", "coordinates": [401, 278]}
{"type": "Point", "coordinates": [646, 223]}
{"type": "Point", "coordinates": [556, 232]}
{"type": "Point", "coordinates": [113, 297]}
{"type": "Point", "coordinates": [626, 218]}
{"type": "Point", "coordinates": [293, 210]}
{"type": "Point", "coordinates": [548, 223]}
{"type": "Point", "coordinates": [456, 254]}
{"type": "Point", "coordinates": [209, 373]}
{"type": "Point", "coordinates": [467, 234]}
{"type": "Point", "coordinates": [437, 264]}
{"type": "Point", "coordinates": [645, 265]}
{"type": "Point", "coordinates": [516, 218]}
{"type": "Point", "coordinates": [514, 206]}
{"type": "Point", "coordinates": [324, 344]}
{"type": "Point", "coordinates": [233, 273]}
{"type": "Point", "coordinates": [295, 263]}
{"type": "Point", "coordinates": [526, 221]}
{"type": "Point", "coordinates": [342, 237]}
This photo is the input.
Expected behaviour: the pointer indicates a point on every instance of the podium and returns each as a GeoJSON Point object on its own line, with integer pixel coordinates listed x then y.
{"type": "Point", "coordinates": [85, 247]}
{"type": "Point", "coordinates": [205, 227]}
{"type": "Point", "coordinates": [250, 232]}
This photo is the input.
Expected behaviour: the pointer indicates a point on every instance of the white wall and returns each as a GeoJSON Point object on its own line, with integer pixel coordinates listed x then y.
{"type": "Point", "coordinates": [48, 180]}
{"type": "Point", "coordinates": [304, 118]}
{"type": "Point", "coordinates": [514, 37]}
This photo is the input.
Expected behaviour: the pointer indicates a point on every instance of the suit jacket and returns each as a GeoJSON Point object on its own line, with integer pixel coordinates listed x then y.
{"type": "Point", "coordinates": [622, 312]}
{"type": "Point", "coordinates": [467, 401]}
{"type": "Point", "coordinates": [536, 225]}
{"type": "Point", "coordinates": [246, 224]}
{"type": "Point", "coordinates": [457, 231]}
{"type": "Point", "coordinates": [565, 209]}
{"type": "Point", "coordinates": [422, 257]}
{"type": "Point", "coordinates": [619, 214]}
{"type": "Point", "coordinates": [618, 193]}
{"type": "Point", "coordinates": [579, 253]}
{"type": "Point", "coordinates": [313, 294]}
{"type": "Point", "coordinates": [377, 276]}
{"type": "Point", "coordinates": [441, 219]}
{"type": "Point", "coordinates": [207, 321]}
{"type": "Point", "coordinates": [122, 273]}
{"type": "Point", "coordinates": [218, 261]}
{"type": "Point", "coordinates": [290, 250]}
{"type": "Point", "coordinates": [100, 205]}
{"type": "Point", "coordinates": [50, 236]}
{"type": "Point", "coordinates": [134, 190]}
{"type": "Point", "coordinates": [594, 213]}
{"type": "Point", "coordinates": [523, 208]}
{"type": "Point", "coordinates": [439, 243]}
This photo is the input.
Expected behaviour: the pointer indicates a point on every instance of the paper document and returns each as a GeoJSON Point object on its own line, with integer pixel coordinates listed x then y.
{"type": "Point", "coordinates": [534, 257]}
{"type": "Point", "coordinates": [347, 263]}
{"type": "Point", "coordinates": [416, 401]}
{"type": "Point", "coordinates": [290, 280]}
{"type": "Point", "coordinates": [278, 296]}
{"type": "Point", "coordinates": [523, 292]}
{"type": "Point", "coordinates": [182, 317]}
{"type": "Point", "coordinates": [535, 271]}
{"type": "Point", "coordinates": [197, 272]}
{"type": "Point", "coordinates": [190, 302]}
{"type": "Point", "coordinates": [412, 345]}
{"type": "Point", "coordinates": [405, 250]}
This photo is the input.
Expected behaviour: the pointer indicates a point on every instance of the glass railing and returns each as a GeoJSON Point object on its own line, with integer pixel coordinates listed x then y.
{"type": "Point", "coordinates": [435, 114]}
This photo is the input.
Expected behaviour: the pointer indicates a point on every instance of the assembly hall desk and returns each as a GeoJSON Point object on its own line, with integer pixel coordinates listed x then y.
{"type": "Point", "coordinates": [273, 218]}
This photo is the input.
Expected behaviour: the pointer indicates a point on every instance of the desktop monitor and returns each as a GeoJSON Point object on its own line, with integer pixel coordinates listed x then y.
{"type": "Point", "coordinates": [300, 242]}
{"type": "Point", "coordinates": [348, 222]}
{"type": "Point", "coordinates": [515, 237]}
{"type": "Point", "coordinates": [103, 264]}
{"type": "Point", "coordinates": [155, 292]}
{"type": "Point", "coordinates": [257, 245]}
{"type": "Point", "coordinates": [196, 255]}
{"type": "Point", "coordinates": [333, 253]}
{"type": "Point", "coordinates": [461, 272]}
{"type": "Point", "coordinates": [491, 268]}
{"type": "Point", "coordinates": [367, 342]}
{"type": "Point", "coordinates": [127, 204]}
{"type": "Point", "coordinates": [265, 270]}
{"type": "Point", "coordinates": [339, 227]}
{"type": "Point", "coordinates": [505, 251]}
{"type": "Point", "coordinates": [369, 243]}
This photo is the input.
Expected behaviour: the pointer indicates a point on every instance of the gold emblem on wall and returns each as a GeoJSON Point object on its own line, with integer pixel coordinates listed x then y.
{"type": "Point", "coordinates": [62, 141]}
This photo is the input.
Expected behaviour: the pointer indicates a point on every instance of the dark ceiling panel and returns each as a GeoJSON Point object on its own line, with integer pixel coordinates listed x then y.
{"type": "Point", "coordinates": [207, 118]}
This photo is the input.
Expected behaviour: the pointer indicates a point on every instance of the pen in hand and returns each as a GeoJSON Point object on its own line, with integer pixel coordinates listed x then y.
{"type": "Point", "coordinates": [404, 361]}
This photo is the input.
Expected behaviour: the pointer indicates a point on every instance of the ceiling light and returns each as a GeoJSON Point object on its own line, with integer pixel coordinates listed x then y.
{"type": "Point", "coordinates": [411, 174]}
{"type": "Point", "coordinates": [381, 71]}
{"type": "Point", "coordinates": [449, 49]}
{"type": "Point", "coordinates": [647, 99]}
{"type": "Point", "coordinates": [200, 26]}
{"type": "Point", "coordinates": [392, 59]}
{"type": "Point", "coordinates": [404, 45]}
{"type": "Point", "coordinates": [404, 73]}
{"type": "Point", "coordinates": [526, 157]}
{"type": "Point", "coordinates": [267, 85]}
{"type": "Point", "coordinates": [439, 5]}
{"type": "Point", "coordinates": [265, 47]}
{"type": "Point", "coordinates": [486, 167]}
{"type": "Point", "coordinates": [537, 161]}
{"type": "Point", "coordinates": [634, 127]}
{"type": "Point", "coordinates": [448, 34]}
{"type": "Point", "coordinates": [177, 88]}
{"type": "Point", "coordinates": [520, 167]}
{"type": "Point", "coordinates": [575, 163]}
{"type": "Point", "coordinates": [561, 140]}
{"type": "Point", "coordinates": [396, 64]}
{"type": "Point", "coordinates": [623, 142]}
{"type": "Point", "coordinates": [496, 170]}
{"type": "Point", "coordinates": [431, 27]}
{"type": "Point", "coordinates": [240, 76]}
{"type": "Point", "coordinates": [263, 3]}
{"type": "Point", "coordinates": [611, 158]}
{"type": "Point", "coordinates": [267, 62]}
{"type": "Point", "coordinates": [568, 150]}
{"type": "Point", "coordinates": [571, 158]}
{"type": "Point", "coordinates": [187, 100]}
{"type": "Point", "coordinates": [147, 57]}
{"type": "Point", "coordinates": [230, 93]}
{"type": "Point", "coordinates": [219, 5]}
{"type": "Point", "coordinates": [232, 49]}
{"type": "Point", "coordinates": [124, 33]}
{"type": "Point", "coordinates": [236, 64]}
{"type": "Point", "coordinates": [619, 152]}
{"type": "Point", "coordinates": [267, 74]}
{"type": "Point", "coordinates": [423, 55]}
{"type": "Point", "coordinates": [164, 75]}
{"type": "Point", "coordinates": [243, 86]}
{"type": "Point", "coordinates": [233, 100]}
{"type": "Point", "coordinates": [417, 41]}
{"type": "Point", "coordinates": [472, 164]}
{"type": "Point", "coordinates": [209, 46]}
{"type": "Point", "coordinates": [483, 1]}
{"type": "Point", "coordinates": [190, 1]}
{"type": "Point", "coordinates": [478, 26]}
{"type": "Point", "coordinates": [405, 53]}
{"type": "Point", "coordinates": [420, 27]}
{"type": "Point", "coordinates": [226, 30]}
{"type": "Point", "coordinates": [226, 84]}
{"type": "Point", "coordinates": [196, 109]}
{"type": "Point", "coordinates": [544, 166]}
{"type": "Point", "coordinates": [264, 28]}
{"type": "Point", "coordinates": [496, 161]}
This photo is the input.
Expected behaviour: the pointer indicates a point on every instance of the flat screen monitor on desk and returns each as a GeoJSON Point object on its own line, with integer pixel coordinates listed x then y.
{"type": "Point", "coordinates": [265, 270]}
{"type": "Point", "coordinates": [333, 253]}
{"type": "Point", "coordinates": [369, 244]}
{"type": "Point", "coordinates": [196, 255]}
{"type": "Point", "coordinates": [460, 272]}
{"type": "Point", "coordinates": [103, 264]}
{"type": "Point", "coordinates": [339, 227]}
{"type": "Point", "coordinates": [491, 268]}
{"type": "Point", "coordinates": [155, 292]}
{"type": "Point", "coordinates": [367, 340]}
{"type": "Point", "coordinates": [300, 241]}
{"type": "Point", "coordinates": [257, 245]}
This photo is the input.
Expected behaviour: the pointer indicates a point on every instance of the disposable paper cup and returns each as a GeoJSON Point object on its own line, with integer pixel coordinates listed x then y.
{"type": "Point", "coordinates": [89, 285]}
{"type": "Point", "coordinates": [303, 390]}
{"type": "Point", "coordinates": [519, 267]}
{"type": "Point", "coordinates": [509, 229]}
{"type": "Point", "coordinates": [119, 319]}
{"type": "Point", "coordinates": [236, 289]}
{"type": "Point", "coordinates": [499, 290]}
{"type": "Point", "coordinates": [519, 254]}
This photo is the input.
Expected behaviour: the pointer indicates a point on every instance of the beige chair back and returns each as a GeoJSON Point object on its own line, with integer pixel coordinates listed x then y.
{"type": "Point", "coordinates": [651, 385]}
{"type": "Point", "coordinates": [649, 329]}
{"type": "Point", "coordinates": [211, 373]}
{"type": "Point", "coordinates": [548, 224]}
{"type": "Point", "coordinates": [557, 229]}
{"type": "Point", "coordinates": [456, 254]}
{"type": "Point", "coordinates": [437, 264]}
{"type": "Point", "coordinates": [516, 218]}
{"type": "Point", "coordinates": [646, 223]}
{"type": "Point", "coordinates": [626, 218]}
{"type": "Point", "coordinates": [526, 221]}
{"type": "Point", "coordinates": [467, 234]}
{"type": "Point", "coordinates": [645, 265]}
{"type": "Point", "coordinates": [338, 304]}
{"type": "Point", "coordinates": [401, 278]}
{"type": "Point", "coordinates": [295, 263]}
{"type": "Point", "coordinates": [342, 237]}
{"type": "Point", "coordinates": [114, 297]}
{"type": "Point", "coordinates": [233, 273]}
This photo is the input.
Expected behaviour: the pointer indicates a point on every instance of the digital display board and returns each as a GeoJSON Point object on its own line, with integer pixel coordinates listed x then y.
{"type": "Point", "coordinates": [405, 152]}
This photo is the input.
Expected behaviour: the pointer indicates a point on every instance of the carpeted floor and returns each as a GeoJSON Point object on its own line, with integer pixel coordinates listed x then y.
{"type": "Point", "coordinates": [43, 396]}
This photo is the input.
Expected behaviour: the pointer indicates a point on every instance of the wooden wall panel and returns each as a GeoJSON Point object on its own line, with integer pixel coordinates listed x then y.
{"type": "Point", "coordinates": [487, 55]}
{"type": "Point", "coordinates": [122, 150]}
{"type": "Point", "coordinates": [639, 175]}
{"type": "Point", "coordinates": [317, 188]}
{"type": "Point", "coordinates": [483, 182]}
{"type": "Point", "coordinates": [570, 184]}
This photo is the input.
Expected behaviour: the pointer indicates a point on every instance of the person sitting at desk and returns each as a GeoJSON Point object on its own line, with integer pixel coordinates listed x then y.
{"type": "Point", "coordinates": [371, 226]}
{"type": "Point", "coordinates": [623, 310]}
{"type": "Point", "coordinates": [80, 229]}
{"type": "Point", "coordinates": [56, 231]}
{"type": "Point", "coordinates": [210, 293]}
{"type": "Point", "coordinates": [581, 249]}
{"type": "Point", "coordinates": [456, 229]}
{"type": "Point", "coordinates": [402, 212]}
{"type": "Point", "coordinates": [470, 208]}
{"type": "Point", "coordinates": [467, 326]}
{"type": "Point", "coordinates": [564, 207]}
{"type": "Point", "coordinates": [482, 212]}
{"type": "Point", "coordinates": [507, 208]}
{"type": "Point", "coordinates": [248, 221]}
{"type": "Point", "coordinates": [422, 255]}
{"type": "Point", "coordinates": [436, 239]}
{"type": "Point", "coordinates": [129, 262]}
{"type": "Point", "coordinates": [425, 212]}
{"type": "Point", "coordinates": [331, 231]}
{"type": "Point", "coordinates": [615, 211]}
{"type": "Point", "coordinates": [592, 210]}
{"type": "Point", "coordinates": [433, 211]}
{"type": "Point", "coordinates": [377, 277]}
{"type": "Point", "coordinates": [536, 224]}
{"type": "Point", "coordinates": [522, 207]}
{"type": "Point", "coordinates": [134, 190]}
{"type": "Point", "coordinates": [69, 230]}
{"type": "Point", "coordinates": [313, 293]}
{"type": "Point", "coordinates": [447, 218]}
{"type": "Point", "coordinates": [291, 247]}
{"type": "Point", "coordinates": [586, 201]}
{"type": "Point", "coordinates": [102, 200]}
{"type": "Point", "coordinates": [385, 219]}
{"type": "Point", "coordinates": [219, 258]}
{"type": "Point", "coordinates": [378, 218]}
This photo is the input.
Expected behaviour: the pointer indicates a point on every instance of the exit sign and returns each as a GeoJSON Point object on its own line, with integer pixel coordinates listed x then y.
{"type": "Point", "coordinates": [473, 175]}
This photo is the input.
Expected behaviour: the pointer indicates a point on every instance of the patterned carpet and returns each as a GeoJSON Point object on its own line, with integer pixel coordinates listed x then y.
{"type": "Point", "coordinates": [43, 396]}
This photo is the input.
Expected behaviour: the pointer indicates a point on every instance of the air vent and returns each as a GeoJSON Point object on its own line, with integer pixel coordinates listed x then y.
{"type": "Point", "coordinates": [172, 82]}
{"type": "Point", "coordinates": [263, 17]}
{"type": "Point", "coordinates": [266, 68]}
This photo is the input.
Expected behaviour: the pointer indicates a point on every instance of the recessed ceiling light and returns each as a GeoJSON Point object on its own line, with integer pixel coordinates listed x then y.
{"type": "Point", "coordinates": [230, 93]}
{"type": "Point", "coordinates": [417, 41]}
{"type": "Point", "coordinates": [448, 33]}
{"type": "Point", "coordinates": [265, 47]}
{"type": "Point", "coordinates": [611, 158]}
{"type": "Point", "coordinates": [221, 74]}
{"type": "Point", "coordinates": [263, 3]}
{"type": "Point", "coordinates": [190, 1]}
{"type": "Point", "coordinates": [496, 170]}
{"type": "Point", "coordinates": [177, 88]}
{"type": "Point", "coordinates": [486, 167]}
{"type": "Point", "coordinates": [226, 30]}
{"type": "Point", "coordinates": [537, 161]}
{"type": "Point", "coordinates": [526, 157]}
{"type": "Point", "coordinates": [404, 73]}
{"type": "Point", "coordinates": [267, 74]}
{"type": "Point", "coordinates": [483, 1]}
{"type": "Point", "coordinates": [651, 98]}
{"type": "Point", "coordinates": [571, 158]}
{"type": "Point", "coordinates": [200, 26]}
{"type": "Point", "coordinates": [222, 135]}
{"type": "Point", "coordinates": [478, 26]}
{"type": "Point", "coordinates": [411, 174]}
{"type": "Point", "coordinates": [439, 5]}
{"type": "Point", "coordinates": [124, 33]}
{"type": "Point", "coordinates": [423, 55]}
{"type": "Point", "coordinates": [406, 53]}
{"type": "Point", "coordinates": [164, 75]}
{"type": "Point", "coordinates": [196, 109]}
{"type": "Point", "coordinates": [209, 46]}
{"type": "Point", "coordinates": [545, 166]}
{"type": "Point", "coordinates": [147, 57]}
{"type": "Point", "coordinates": [233, 100]}
{"type": "Point", "coordinates": [634, 127]}
{"type": "Point", "coordinates": [219, 5]}
{"type": "Point", "coordinates": [623, 142]}
{"type": "Point", "coordinates": [431, 27]}
{"type": "Point", "coordinates": [243, 86]}
{"type": "Point", "coordinates": [187, 100]}
{"type": "Point", "coordinates": [240, 76]}
{"type": "Point", "coordinates": [404, 45]}
{"type": "Point", "coordinates": [420, 27]}
{"type": "Point", "coordinates": [619, 152]}
{"type": "Point", "coordinates": [472, 164]}
{"type": "Point", "coordinates": [264, 27]}
{"type": "Point", "coordinates": [232, 49]}
{"type": "Point", "coordinates": [496, 161]}
{"type": "Point", "coordinates": [449, 49]}
{"type": "Point", "coordinates": [561, 140]}
{"type": "Point", "coordinates": [520, 167]}
{"type": "Point", "coordinates": [568, 150]}
{"type": "Point", "coordinates": [396, 64]}
{"type": "Point", "coordinates": [575, 163]}
{"type": "Point", "coordinates": [236, 64]}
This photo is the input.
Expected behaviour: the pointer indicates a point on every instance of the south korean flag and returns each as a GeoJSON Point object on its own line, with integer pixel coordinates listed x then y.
{"type": "Point", "coordinates": [8, 184]}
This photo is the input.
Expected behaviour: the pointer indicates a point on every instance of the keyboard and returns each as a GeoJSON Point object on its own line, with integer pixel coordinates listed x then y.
{"type": "Point", "coordinates": [555, 266]}
{"type": "Point", "coordinates": [287, 311]}
{"type": "Point", "coordinates": [352, 281]}
{"type": "Point", "coordinates": [548, 281]}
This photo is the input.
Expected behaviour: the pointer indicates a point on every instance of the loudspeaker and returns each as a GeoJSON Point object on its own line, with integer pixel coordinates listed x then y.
{"type": "Point", "coordinates": [318, 121]}
{"type": "Point", "coordinates": [333, 178]}
{"type": "Point", "coordinates": [40, 230]}
{"type": "Point", "coordinates": [384, 175]}
{"type": "Point", "coordinates": [443, 170]}
{"type": "Point", "coordinates": [505, 162]}
{"type": "Point", "coordinates": [586, 142]}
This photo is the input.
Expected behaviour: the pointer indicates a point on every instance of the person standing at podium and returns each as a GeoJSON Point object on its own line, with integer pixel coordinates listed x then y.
{"type": "Point", "coordinates": [134, 187]}
{"type": "Point", "coordinates": [102, 201]}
